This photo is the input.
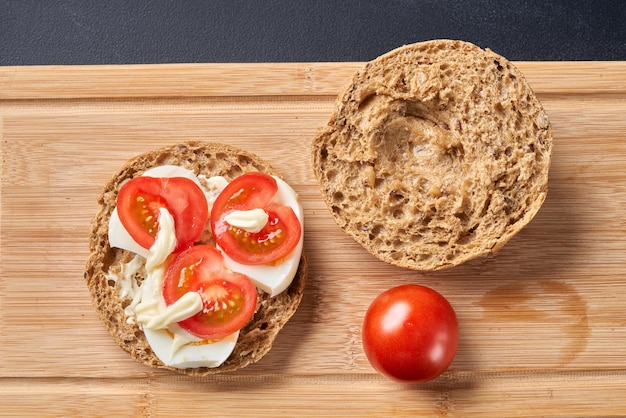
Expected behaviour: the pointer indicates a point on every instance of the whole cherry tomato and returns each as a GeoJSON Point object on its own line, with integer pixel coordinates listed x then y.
{"type": "Point", "coordinates": [410, 333]}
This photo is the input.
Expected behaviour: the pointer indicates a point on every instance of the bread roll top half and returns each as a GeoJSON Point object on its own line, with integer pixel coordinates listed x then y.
{"type": "Point", "coordinates": [436, 153]}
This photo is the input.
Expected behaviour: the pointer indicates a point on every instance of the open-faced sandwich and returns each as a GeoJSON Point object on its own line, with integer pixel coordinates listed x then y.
{"type": "Point", "coordinates": [197, 257]}
{"type": "Point", "coordinates": [436, 153]}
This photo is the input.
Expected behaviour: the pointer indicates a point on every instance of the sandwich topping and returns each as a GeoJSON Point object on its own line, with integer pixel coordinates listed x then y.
{"type": "Point", "coordinates": [195, 297]}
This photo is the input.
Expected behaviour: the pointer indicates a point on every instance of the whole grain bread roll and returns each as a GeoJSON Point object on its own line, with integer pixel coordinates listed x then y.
{"type": "Point", "coordinates": [210, 159]}
{"type": "Point", "coordinates": [436, 153]}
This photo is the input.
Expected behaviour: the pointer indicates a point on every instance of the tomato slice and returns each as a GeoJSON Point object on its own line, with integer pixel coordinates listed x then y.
{"type": "Point", "coordinates": [140, 199]}
{"type": "Point", "coordinates": [278, 237]}
{"type": "Point", "coordinates": [229, 298]}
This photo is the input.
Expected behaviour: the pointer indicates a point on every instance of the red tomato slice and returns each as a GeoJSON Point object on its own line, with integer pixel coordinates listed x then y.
{"type": "Point", "coordinates": [275, 241]}
{"type": "Point", "coordinates": [229, 299]}
{"type": "Point", "coordinates": [139, 201]}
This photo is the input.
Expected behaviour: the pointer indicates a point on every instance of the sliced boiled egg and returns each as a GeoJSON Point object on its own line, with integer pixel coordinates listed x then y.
{"type": "Point", "coordinates": [190, 352]}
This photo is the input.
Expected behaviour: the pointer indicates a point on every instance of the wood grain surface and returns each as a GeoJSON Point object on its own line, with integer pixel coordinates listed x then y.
{"type": "Point", "coordinates": [543, 322]}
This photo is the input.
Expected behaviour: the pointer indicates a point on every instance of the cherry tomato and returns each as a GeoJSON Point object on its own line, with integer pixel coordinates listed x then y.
{"type": "Point", "coordinates": [229, 299]}
{"type": "Point", "coordinates": [410, 333]}
{"type": "Point", "coordinates": [276, 240]}
{"type": "Point", "coordinates": [139, 201]}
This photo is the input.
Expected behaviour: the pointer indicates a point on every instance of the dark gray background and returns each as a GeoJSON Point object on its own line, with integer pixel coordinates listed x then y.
{"type": "Point", "coordinates": [118, 32]}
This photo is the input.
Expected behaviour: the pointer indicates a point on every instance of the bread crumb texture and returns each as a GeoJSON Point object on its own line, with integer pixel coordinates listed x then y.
{"type": "Point", "coordinates": [210, 159]}
{"type": "Point", "coordinates": [436, 153]}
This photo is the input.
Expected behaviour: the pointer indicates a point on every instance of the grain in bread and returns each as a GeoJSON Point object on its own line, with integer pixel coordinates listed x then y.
{"type": "Point", "coordinates": [209, 159]}
{"type": "Point", "coordinates": [436, 153]}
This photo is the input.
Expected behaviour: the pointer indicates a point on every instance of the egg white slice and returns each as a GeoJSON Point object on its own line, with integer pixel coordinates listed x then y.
{"type": "Point", "coordinates": [190, 352]}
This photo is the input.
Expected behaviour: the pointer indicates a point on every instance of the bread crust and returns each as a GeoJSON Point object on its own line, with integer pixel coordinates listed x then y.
{"type": "Point", "coordinates": [210, 159]}
{"type": "Point", "coordinates": [436, 153]}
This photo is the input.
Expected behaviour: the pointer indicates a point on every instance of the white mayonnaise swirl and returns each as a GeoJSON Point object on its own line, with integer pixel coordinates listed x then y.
{"type": "Point", "coordinates": [252, 220]}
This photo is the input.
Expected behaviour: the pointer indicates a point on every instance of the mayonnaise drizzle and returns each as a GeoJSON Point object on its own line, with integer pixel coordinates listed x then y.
{"type": "Point", "coordinates": [187, 306]}
{"type": "Point", "coordinates": [152, 302]}
{"type": "Point", "coordinates": [165, 241]}
{"type": "Point", "coordinates": [152, 312]}
{"type": "Point", "coordinates": [128, 287]}
{"type": "Point", "coordinates": [212, 186]}
{"type": "Point", "coordinates": [252, 220]}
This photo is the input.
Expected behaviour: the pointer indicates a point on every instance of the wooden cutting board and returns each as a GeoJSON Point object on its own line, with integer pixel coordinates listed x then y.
{"type": "Point", "coordinates": [543, 322]}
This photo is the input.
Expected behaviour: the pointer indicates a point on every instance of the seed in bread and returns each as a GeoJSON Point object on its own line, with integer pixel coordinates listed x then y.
{"type": "Point", "coordinates": [436, 153]}
{"type": "Point", "coordinates": [272, 313]}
